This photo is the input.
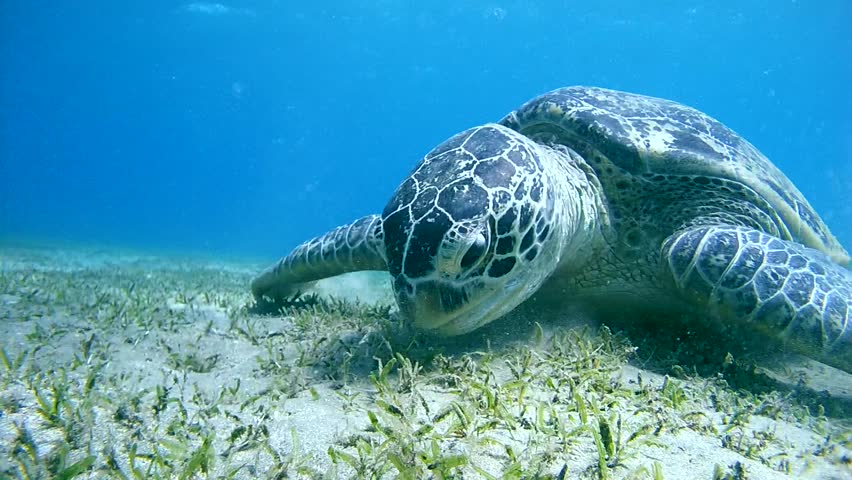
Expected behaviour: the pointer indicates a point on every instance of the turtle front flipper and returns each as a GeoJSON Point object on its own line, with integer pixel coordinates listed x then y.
{"type": "Point", "coordinates": [789, 291]}
{"type": "Point", "coordinates": [349, 248]}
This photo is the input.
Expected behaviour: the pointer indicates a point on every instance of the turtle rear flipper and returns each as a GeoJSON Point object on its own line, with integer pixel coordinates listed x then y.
{"type": "Point", "coordinates": [789, 291]}
{"type": "Point", "coordinates": [349, 248]}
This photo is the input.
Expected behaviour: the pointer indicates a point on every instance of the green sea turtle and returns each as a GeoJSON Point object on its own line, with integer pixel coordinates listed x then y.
{"type": "Point", "coordinates": [607, 199]}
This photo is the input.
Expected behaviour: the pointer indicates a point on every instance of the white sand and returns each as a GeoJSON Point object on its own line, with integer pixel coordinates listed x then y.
{"type": "Point", "coordinates": [278, 400]}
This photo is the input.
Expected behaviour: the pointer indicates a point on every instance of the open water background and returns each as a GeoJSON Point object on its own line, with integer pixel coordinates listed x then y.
{"type": "Point", "coordinates": [242, 128]}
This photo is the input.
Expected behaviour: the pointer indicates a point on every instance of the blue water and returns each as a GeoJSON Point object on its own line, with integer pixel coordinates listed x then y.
{"type": "Point", "coordinates": [245, 127]}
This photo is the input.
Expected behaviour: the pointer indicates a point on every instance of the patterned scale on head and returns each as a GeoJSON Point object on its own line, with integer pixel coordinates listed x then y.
{"type": "Point", "coordinates": [614, 198]}
{"type": "Point", "coordinates": [466, 233]}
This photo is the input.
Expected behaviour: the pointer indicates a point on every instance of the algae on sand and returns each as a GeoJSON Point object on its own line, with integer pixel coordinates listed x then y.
{"type": "Point", "coordinates": [142, 367]}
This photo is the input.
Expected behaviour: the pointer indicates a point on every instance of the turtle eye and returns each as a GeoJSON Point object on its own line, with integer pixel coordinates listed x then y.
{"type": "Point", "coordinates": [475, 252]}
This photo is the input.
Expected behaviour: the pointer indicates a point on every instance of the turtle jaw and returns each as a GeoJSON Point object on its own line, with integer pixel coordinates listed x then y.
{"type": "Point", "coordinates": [431, 304]}
{"type": "Point", "coordinates": [489, 309]}
{"type": "Point", "coordinates": [453, 310]}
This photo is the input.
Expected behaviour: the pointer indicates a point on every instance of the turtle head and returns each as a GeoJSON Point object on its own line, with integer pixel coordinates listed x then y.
{"type": "Point", "coordinates": [469, 234]}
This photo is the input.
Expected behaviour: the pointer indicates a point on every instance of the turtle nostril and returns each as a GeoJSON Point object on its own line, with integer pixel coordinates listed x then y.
{"type": "Point", "coordinates": [475, 252]}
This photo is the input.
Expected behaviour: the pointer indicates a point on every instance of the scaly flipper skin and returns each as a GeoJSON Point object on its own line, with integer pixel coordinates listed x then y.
{"type": "Point", "coordinates": [349, 248]}
{"type": "Point", "coordinates": [779, 287]}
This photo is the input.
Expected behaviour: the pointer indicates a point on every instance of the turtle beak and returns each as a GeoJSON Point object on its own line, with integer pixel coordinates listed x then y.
{"type": "Point", "coordinates": [432, 303]}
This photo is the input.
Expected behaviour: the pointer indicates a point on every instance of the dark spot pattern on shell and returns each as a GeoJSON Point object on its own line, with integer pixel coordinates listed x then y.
{"type": "Point", "coordinates": [690, 144]}
{"type": "Point", "coordinates": [644, 135]}
{"type": "Point", "coordinates": [810, 218]}
{"type": "Point", "coordinates": [780, 191]}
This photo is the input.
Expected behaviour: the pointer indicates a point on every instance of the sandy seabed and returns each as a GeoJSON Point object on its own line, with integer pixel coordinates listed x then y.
{"type": "Point", "coordinates": [126, 365]}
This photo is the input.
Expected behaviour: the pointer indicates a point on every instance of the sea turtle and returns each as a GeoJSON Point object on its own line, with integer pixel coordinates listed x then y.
{"type": "Point", "coordinates": [607, 199]}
